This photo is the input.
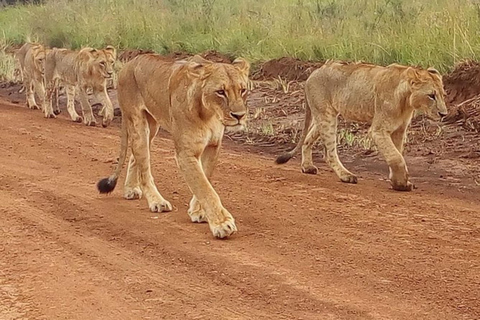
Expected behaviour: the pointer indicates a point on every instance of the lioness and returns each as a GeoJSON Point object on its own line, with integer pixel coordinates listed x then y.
{"type": "Point", "coordinates": [84, 69]}
{"type": "Point", "coordinates": [195, 101]}
{"type": "Point", "coordinates": [385, 97]}
{"type": "Point", "coordinates": [31, 60]}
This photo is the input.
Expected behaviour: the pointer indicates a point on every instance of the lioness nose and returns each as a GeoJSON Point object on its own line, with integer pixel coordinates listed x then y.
{"type": "Point", "coordinates": [237, 115]}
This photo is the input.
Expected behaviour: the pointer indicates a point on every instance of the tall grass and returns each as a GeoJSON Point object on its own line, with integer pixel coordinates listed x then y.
{"type": "Point", "coordinates": [429, 33]}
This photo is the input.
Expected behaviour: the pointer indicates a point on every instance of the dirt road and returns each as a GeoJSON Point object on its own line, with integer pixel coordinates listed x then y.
{"type": "Point", "coordinates": [308, 247]}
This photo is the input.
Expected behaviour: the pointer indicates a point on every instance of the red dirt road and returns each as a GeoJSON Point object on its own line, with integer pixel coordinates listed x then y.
{"type": "Point", "coordinates": [308, 247]}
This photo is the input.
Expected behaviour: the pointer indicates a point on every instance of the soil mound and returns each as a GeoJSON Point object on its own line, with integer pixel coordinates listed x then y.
{"type": "Point", "coordinates": [466, 115]}
{"type": "Point", "coordinates": [211, 55]}
{"type": "Point", "coordinates": [286, 68]}
{"type": "Point", "coordinates": [128, 55]}
{"type": "Point", "coordinates": [463, 82]}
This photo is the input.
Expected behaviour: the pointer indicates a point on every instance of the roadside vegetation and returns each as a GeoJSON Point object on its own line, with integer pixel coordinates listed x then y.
{"type": "Point", "coordinates": [428, 33]}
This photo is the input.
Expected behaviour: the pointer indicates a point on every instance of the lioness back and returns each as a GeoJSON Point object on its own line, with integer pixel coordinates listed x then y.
{"type": "Point", "coordinates": [350, 87]}
{"type": "Point", "coordinates": [60, 63]}
{"type": "Point", "coordinates": [149, 76]}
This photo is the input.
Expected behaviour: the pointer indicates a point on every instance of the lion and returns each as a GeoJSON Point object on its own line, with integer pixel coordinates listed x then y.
{"type": "Point", "coordinates": [86, 69]}
{"type": "Point", "coordinates": [196, 101]}
{"type": "Point", "coordinates": [385, 97]}
{"type": "Point", "coordinates": [31, 66]}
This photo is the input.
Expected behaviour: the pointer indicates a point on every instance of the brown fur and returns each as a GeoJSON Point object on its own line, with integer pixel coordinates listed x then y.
{"type": "Point", "coordinates": [31, 61]}
{"type": "Point", "coordinates": [83, 70]}
{"type": "Point", "coordinates": [385, 97]}
{"type": "Point", "coordinates": [195, 101]}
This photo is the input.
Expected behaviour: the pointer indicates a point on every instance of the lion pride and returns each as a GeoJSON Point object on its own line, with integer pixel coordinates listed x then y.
{"type": "Point", "coordinates": [86, 69]}
{"type": "Point", "coordinates": [196, 101]}
{"type": "Point", "coordinates": [385, 97]}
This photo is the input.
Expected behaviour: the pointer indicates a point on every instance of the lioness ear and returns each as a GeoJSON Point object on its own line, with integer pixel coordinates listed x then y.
{"type": "Point", "coordinates": [112, 50]}
{"type": "Point", "coordinates": [433, 70]}
{"type": "Point", "coordinates": [413, 76]}
{"type": "Point", "coordinates": [198, 59]}
{"type": "Point", "coordinates": [197, 70]}
{"type": "Point", "coordinates": [93, 52]}
{"type": "Point", "coordinates": [242, 65]}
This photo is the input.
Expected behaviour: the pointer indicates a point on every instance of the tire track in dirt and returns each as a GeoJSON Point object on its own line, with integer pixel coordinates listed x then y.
{"type": "Point", "coordinates": [308, 247]}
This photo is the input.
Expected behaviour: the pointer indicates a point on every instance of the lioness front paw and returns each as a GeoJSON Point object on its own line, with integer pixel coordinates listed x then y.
{"type": "Point", "coordinates": [107, 117]}
{"type": "Point", "coordinates": [403, 187]}
{"type": "Point", "coordinates": [50, 115]}
{"type": "Point", "coordinates": [132, 193]}
{"type": "Point", "coordinates": [160, 206]}
{"type": "Point", "coordinates": [90, 121]}
{"type": "Point", "coordinates": [350, 178]}
{"type": "Point", "coordinates": [77, 119]}
{"type": "Point", "coordinates": [198, 215]}
{"type": "Point", "coordinates": [310, 170]}
{"type": "Point", "coordinates": [106, 122]}
{"type": "Point", "coordinates": [196, 212]}
{"type": "Point", "coordinates": [225, 227]}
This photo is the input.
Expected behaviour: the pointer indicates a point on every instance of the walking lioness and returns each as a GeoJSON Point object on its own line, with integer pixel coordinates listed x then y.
{"type": "Point", "coordinates": [195, 101]}
{"type": "Point", "coordinates": [31, 61]}
{"type": "Point", "coordinates": [86, 69]}
{"type": "Point", "coordinates": [386, 97]}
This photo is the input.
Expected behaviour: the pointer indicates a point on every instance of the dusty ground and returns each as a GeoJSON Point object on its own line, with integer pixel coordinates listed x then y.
{"type": "Point", "coordinates": [308, 247]}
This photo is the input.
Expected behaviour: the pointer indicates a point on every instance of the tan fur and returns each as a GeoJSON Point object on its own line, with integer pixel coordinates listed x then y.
{"type": "Point", "coordinates": [195, 101]}
{"type": "Point", "coordinates": [31, 62]}
{"type": "Point", "coordinates": [385, 97]}
{"type": "Point", "coordinates": [81, 70]}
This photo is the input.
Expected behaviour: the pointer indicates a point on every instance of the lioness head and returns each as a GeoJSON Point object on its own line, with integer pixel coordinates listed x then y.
{"type": "Point", "coordinates": [427, 90]}
{"type": "Point", "coordinates": [38, 53]}
{"type": "Point", "coordinates": [224, 89]}
{"type": "Point", "coordinates": [101, 62]}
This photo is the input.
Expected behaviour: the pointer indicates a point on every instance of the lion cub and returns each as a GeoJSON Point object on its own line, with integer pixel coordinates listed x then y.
{"type": "Point", "coordinates": [196, 101]}
{"type": "Point", "coordinates": [84, 69]}
{"type": "Point", "coordinates": [385, 97]}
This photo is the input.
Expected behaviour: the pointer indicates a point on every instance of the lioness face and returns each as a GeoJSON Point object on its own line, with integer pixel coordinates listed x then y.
{"type": "Point", "coordinates": [428, 94]}
{"type": "Point", "coordinates": [104, 61]}
{"type": "Point", "coordinates": [225, 93]}
{"type": "Point", "coordinates": [39, 60]}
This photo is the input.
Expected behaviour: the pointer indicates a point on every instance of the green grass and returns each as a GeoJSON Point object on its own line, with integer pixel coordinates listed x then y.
{"type": "Point", "coordinates": [428, 33]}
{"type": "Point", "coordinates": [7, 65]}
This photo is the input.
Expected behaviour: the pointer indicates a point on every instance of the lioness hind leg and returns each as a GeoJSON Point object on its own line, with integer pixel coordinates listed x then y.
{"type": "Point", "coordinates": [328, 125]}
{"type": "Point", "coordinates": [209, 160]}
{"type": "Point", "coordinates": [140, 137]}
{"type": "Point", "coordinates": [70, 90]}
{"type": "Point", "coordinates": [40, 91]}
{"type": "Point", "coordinates": [398, 169]}
{"type": "Point", "coordinates": [29, 84]}
{"type": "Point", "coordinates": [51, 87]}
{"type": "Point", "coordinates": [132, 188]}
{"type": "Point", "coordinates": [307, 161]}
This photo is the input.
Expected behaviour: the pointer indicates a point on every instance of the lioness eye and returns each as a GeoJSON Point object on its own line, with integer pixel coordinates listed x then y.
{"type": "Point", "coordinates": [432, 96]}
{"type": "Point", "coordinates": [221, 92]}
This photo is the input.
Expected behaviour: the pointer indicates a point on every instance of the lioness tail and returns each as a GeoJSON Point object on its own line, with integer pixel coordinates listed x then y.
{"type": "Point", "coordinates": [308, 120]}
{"type": "Point", "coordinates": [107, 185]}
